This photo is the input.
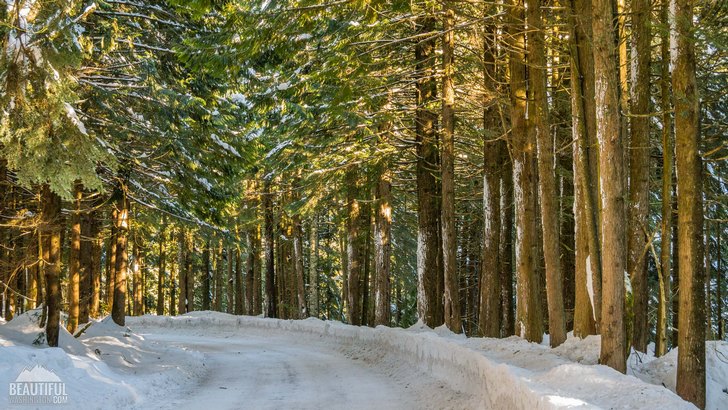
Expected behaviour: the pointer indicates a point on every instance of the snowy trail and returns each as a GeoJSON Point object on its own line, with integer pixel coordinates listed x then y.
{"type": "Point", "coordinates": [277, 372]}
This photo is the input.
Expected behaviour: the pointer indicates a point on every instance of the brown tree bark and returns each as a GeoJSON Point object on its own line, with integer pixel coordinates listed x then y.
{"type": "Point", "coordinates": [353, 250]}
{"type": "Point", "coordinates": [639, 185]}
{"type": "Point", "coordinates": [51, 233]}
{"type": "Point", "coordinates": [528, 312]}
{"type": "Point", "coordinates": [74, 261]}
{"type": "Point", "coordinates": [691, 333]}
{"type": "Point", "coordinates": [449, 240]}
{"type": "Point", "coordinates": [242, 301]}
{"type": "Point", "coordinates": [182, 272]}
{"type": "Point", "coordinates": [539, 115]}
{"type": "Point", "coordinates": [489, 303]}
{"type": "Point", "coordinates": [207, 279]}
{"type": "Point", "coordinates": [611, 174]}
{"type": "Point", "coordinates": [505, 250]}
{"type": "Point", "coordinates": [429, 252]}
{"type": "Point", "coordinates": [666, 208]}
{"type": "Point", "coordinates": [122, 223]}
{"type": "Point", "coordinates": [138, 277]}
{"type": "Point", "coordinates": [382, 249]}
{"type": "Point", "coordinates": [162, 269]}
{"type": "Point", "coordinates": [313, 278]}
{"type": "Point", "coordinates": [271, 292]}
{"type": "Point", "coordinates": [301, 312]}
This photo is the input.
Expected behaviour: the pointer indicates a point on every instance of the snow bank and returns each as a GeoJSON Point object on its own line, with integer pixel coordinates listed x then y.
{"type": "Point", "coordinates": [500, 373]}
{"type": "Point", "coordinates": [96, 367]}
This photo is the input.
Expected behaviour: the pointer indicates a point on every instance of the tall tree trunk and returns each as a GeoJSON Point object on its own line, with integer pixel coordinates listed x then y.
{"type": "Point", "coordinates": [691, 333]}
{"type": "Point", "coordinates": [313, 279]}
{"type": "Point", "coordinates": [138, 277]}
{"type": "Point", "coordinates": [74, 261]}
{"type": "Point", "coordinates": [528, 314]}
{"type": "Point", "coordinates": [270, 273]}
{"type": "Point", "coordinates": [301, 313]}
{"type": "Point", "coordinates": [639, 185]}
{"type": "Point", "coordinates": [86, 261]}
{"type": "Point", "coordinates": [242, 302]}
{"type": "Point", "coordinates": [489, 304]}
{"type": "Point", "coordinates": [111, 262]}
{"type": "Point", "coordinates": [250, 307]}
{"type": "Point", "coordinates": [449, 241]}
{"type": "Point", "coordinates": [611, 174]}
{"type": "Point", "coordinates": [587, 282]}
{"type": "Point", "coordinates": [182, 272]}
{"type": "Point", "coordinates": [666, 208]}
{"type": "Point", "coordinates": [505, 249]}
{"type": "Point", "coordinates": [231, 279]}
{"type": "Point", "coordinates": [382, 249]}
{"type": "Point", "coordinates": [429, 258]}
{"type": "Point", "coordinates": [207, 279]}
{"type": "Point", "coordinates": [162, 270]}
{"type": "Point", "coordinates": [51, 231]}
{"type": "Point", "coordinates": [189, 276]}
{"type": "Point", "coordinates": [122, 222]}
{"type": "Point", "coordinates": [353, 252]}
{"type": "Point", "coordinates": [538, 113]}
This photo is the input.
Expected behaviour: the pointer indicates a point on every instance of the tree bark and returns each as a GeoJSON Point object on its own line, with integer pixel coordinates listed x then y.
{"type": "Point", "coordinates": [353, 250]}
{"type": "Point", "coordinates": [182, 272]}
{"type": "Point", "coordinates": [138, 270]}
{"type": "Point", "coordinates": [639, 185]}
{"type": "Point", "coordinates": [429, 257]}
{"type": "Point", "coordinates": [271, 293]}
{"type": "Point", "coordinates": [528, 313]}
{"type": "Point", "coordinates": [449, 240]}
{"type": "Point", "coordinates": [313, 279]}
{"type": "Point", "coordinates": [207, 279]}
{"type": "Point", "coordinates": [505, 250]}
{"type": "Point", "coordinates": [382, 249]}
{"type": "Point", "coordinates": [666, 208]}
{"type": "Point", "coordinates": [74, 261]}
{"type": "Point", "coordinates": [51, 233]}
{"type": "Point", "coordinates": [122, 223]}
{"type": "Point", "coordinates": [538, 113]}
{"type": "Point", "coordinates": [691, 333]}
{"type": "Point", "coordinates": [162, 270]}
{"type": "Point", "coordinates": [611, 174]}
{"type": "Point", "coordinates": [302, 312]}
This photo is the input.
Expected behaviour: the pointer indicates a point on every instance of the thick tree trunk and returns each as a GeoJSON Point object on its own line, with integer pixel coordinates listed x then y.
{"type": "Point", "coordinates": [611, 173]}
{"type": "Point", "coordinates": [429, 252]}
{"type": "Point", "coordinates": [449, 240]}
{"type": "Point", "coordinates": [231, 279]}
{"type": "Point", "coordinates": [489, 304]}
{"type": "Point", "coordinates": [382, 249]}
{"type": "Point", "coordinates": [538, 114]}
{"type": "Point", "coordinates": [250, 307]}
{"type": "Point", "coordinates": [189, 275]}
{"type": "Point", "coordinates": [271, 293]}
{"type": "Point", "coordinates": [122, 223]}
{"type": "Point", "coordinates": [691, 333]}
{"type": "Point", "coordinates": [353, 250]}
{"type": "Point", "coordinates": [528, 313]}
{"type": "Point", "coordinates": [74, 262]}
{"type": "Point", "coordinates": [639, 185]}
{"type": "Point", "coordinates": [51, 233]}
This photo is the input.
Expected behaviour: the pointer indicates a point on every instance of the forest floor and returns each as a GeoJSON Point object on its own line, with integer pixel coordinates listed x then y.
{"type": "Point", "coordinates": [219, 361]}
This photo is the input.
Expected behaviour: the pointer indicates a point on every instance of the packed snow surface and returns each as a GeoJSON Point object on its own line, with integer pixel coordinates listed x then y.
{"type": "Point", "coordinates": [220, 361]}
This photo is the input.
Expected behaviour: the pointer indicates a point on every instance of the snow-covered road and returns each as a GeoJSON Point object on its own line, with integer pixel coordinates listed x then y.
{"type": "Point", "coordinates": [284, 372]}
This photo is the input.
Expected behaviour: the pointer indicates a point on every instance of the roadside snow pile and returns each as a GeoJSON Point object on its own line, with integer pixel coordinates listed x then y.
{"type": "Point", "coordinates": [661, 371]}
{"type": "Point", "coordinates": [108, 366]}
{"type": "Point", "coordinates": [499, 373]}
